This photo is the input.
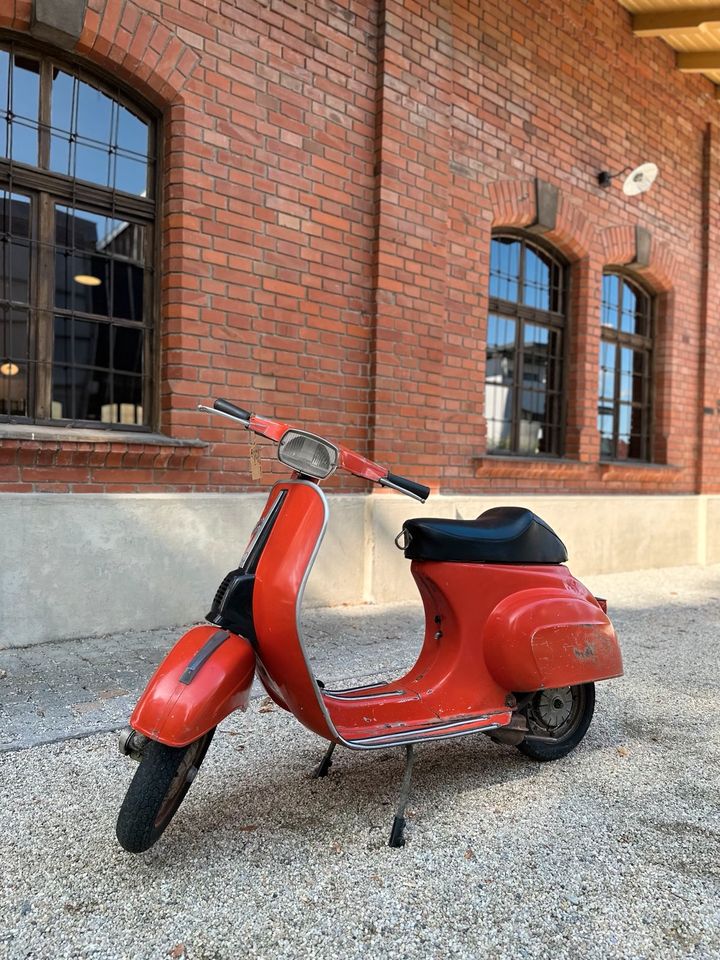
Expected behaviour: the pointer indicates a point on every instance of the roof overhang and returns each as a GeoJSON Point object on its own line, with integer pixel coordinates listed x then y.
{"type": "Point", "coordinates": [690, 27]}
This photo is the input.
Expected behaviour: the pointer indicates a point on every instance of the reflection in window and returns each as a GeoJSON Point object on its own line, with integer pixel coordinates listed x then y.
{"type": "Point", "coordinates": [625, 370]}
{"type": "Point", "coordinates": [75, 235]}
{"type": "Point", "coordinates": [523, 377]}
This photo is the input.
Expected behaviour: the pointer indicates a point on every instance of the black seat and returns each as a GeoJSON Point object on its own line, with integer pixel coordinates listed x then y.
{"type": "Point", "coordinates": [499, 535]}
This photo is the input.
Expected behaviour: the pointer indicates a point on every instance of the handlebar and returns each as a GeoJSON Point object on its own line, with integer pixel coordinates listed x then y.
{"type": "Point", "coordinates": [230, 410]}
{"type": "Point", "coordinates": [353, 462]}
{"type": "Point", "coordinates": [417, 490]}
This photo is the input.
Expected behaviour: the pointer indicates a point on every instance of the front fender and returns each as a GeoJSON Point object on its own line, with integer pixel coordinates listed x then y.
{"type": "Point", "coordinates": [545, 638]}
{"type": "Point", "coordinates": [206, 676]}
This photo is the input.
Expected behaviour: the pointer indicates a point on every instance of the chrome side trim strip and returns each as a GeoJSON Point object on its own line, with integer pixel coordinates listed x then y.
{"type": "Point", "coordinates": [409, 738]}
{"type": "Point", "coordinates": [365, 686]}
{"type": "Point", "coordinates": [423, 730]}
{"type": "Point", "coordinates": [365, 696]}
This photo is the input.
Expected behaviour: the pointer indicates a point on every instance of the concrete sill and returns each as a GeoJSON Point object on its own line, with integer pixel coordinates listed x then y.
{"type": "Point", "coordinates": [24, 431]}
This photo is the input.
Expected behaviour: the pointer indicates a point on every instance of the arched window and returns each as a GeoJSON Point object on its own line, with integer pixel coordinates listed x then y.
{"type": "Point", "coordinates": [76, 222]}
{"type": "Point", "coordinates": [624, 407]}
{"type": "Point", "coordinates": [525, 344]}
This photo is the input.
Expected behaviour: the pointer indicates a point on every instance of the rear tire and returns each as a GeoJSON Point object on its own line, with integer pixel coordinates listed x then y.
{"type": "Point", "coordinates": [164, 776]}
{"type": "Point", "coordinates": [563, 714]}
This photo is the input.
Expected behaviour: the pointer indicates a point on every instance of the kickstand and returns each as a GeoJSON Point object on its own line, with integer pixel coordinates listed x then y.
{"type": "Point", "coordinates": [397, 834]}
{"type": "Point", "coordinates": [323, 768]}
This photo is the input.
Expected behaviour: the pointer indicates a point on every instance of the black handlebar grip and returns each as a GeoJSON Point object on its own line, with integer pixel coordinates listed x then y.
{"type": "Point", "coordinates": [418, 489]}
{"type": "Point", "coordinates": [224, 406]}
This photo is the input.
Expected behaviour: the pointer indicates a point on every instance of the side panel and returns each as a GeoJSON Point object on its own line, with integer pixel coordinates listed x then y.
{"type": "Point", "coordinates": [546, 638]}
{"type": "Point", "coordinates": [218, 682]}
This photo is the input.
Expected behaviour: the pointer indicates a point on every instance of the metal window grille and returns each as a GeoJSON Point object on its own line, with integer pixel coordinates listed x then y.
{"type": "Point", "coordinates": [525, 348]}
{"type": "Point", "coordinates": [625, 382]}
{"type": "Point", "coordinates": [77, 212]}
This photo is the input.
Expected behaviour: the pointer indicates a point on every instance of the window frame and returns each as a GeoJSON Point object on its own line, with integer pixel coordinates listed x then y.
{"type": "Point", "coordinates": [552, 320]}
{"type": "Point", "coordinates": [45, 189]}
{"type": "Point", "coordinates": [635, 342]}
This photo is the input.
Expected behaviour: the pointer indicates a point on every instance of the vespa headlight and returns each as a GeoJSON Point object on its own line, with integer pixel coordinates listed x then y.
{"type": "Point", "coordinates": [308, 454]}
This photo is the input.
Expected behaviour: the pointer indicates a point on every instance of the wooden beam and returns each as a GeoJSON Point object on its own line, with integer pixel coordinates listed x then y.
{"type": "Point", "coordinates": [698, 62]}
{"type": "Point", "coordinates": [663, 23]}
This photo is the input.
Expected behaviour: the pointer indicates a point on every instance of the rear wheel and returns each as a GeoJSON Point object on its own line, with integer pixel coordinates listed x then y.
{"type": "Point", "coordinates": [156, 791]}
{"type": "Point", "coordinates": [562, 715]}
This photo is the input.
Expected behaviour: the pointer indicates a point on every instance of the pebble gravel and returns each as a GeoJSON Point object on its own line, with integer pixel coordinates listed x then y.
{"type": "Point", "coordinates": [613, 852]}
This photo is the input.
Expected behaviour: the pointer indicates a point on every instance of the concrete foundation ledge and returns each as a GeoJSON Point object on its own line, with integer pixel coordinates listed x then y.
{"type": "Point", "coordinates": [83, 565]}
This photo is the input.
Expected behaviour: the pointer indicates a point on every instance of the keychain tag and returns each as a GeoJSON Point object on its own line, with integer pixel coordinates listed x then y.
{"type": "Point", "coordinates": [255, 462]}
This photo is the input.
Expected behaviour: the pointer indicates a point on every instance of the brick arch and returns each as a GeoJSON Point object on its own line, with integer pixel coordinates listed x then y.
{"type": "Point", "coordinates": [127, 41]}
{"type": "Point", "coordinates": [514, 203]}
{"type": "Point", "coordinates": [661, 272]}
{"type": "Point", "coordinates": [619, 247]}
{"type": "Point", "coordinates": [573, 231]}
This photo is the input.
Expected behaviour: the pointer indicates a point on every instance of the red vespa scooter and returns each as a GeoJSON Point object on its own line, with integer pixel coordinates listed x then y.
{"type": "Point", "coordinates": [513, 642]}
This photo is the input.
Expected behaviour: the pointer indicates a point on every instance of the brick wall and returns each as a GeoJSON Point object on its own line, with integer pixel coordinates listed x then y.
{"type": "Point", "coordinates": [331, 176]}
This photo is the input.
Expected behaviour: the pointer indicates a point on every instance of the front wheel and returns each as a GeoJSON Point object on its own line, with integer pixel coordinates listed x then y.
{"type": "Point", "coordinates": [561, 716]}
{"type": "Point", "coordinates": [156, 791]}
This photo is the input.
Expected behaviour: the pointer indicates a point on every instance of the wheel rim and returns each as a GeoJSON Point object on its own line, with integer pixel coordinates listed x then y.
{"type": "Point", "coordinates": [180, 783]}
{"type": "Point", "coordinates": [556, 712]}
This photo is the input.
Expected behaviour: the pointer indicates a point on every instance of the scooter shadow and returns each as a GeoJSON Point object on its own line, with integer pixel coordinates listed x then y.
{"type": "Point", "coordinates": [353, 806]}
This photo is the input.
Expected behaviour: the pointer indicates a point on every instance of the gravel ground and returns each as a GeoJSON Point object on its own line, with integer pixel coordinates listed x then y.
{"type": "Point", "coordinates": [613, 852]}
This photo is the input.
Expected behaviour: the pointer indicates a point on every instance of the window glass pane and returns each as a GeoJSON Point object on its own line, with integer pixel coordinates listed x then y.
{"type": "Point", "coordinates": [626, 369]}
{"type": "Point", "coordinates": [638, 444]}
{"type": "Point", "coordinates": [61, 114]}
{"type": "Point", "coordinates": [640, 374]}
{"type": "Point", "coordinates": [128, 349]}
{"type": "Point", "coordinates": [4, 104]}
{"type": "Point", "coordinates": [94, 164]}
{"type": "Point", "coordinates": [91, 343]}
{"type": "Point", "coordinates": [95, 272]}
{"type": "Point", "coordinates": [94, 115]}
{"type": "Point", "coordinates": [536, 285]}
{"type": "Point", "coordinates": [622, 450]}
{"type": "Point", "coordinates": [499, 378]}
{"type": "Point", "coordinates": [607, 371]}
{"type": "Point", "coordinates": [505, 269]}
{"type": "Point", "coordinates": [127, 400]}
{"type": "Point", "coordinates": [25, 103]}
{"type": "Point", "coordinates": [127, 291]}
{"type": "Point", "coordinates": [81, 283]}
{"type": "Point", "coordinates": [62, 393]}
{"type": "Point", "coordinates": [62, 340]}
{"type": "Point", "coordinates": [14, 378]}
{"type": "Point", "coordinates": [14, 247]}
{"type": "Point", "coordinates": [132, 136]}
{"type": "Point", "coordinates": [81, 394]}
{"type": "Point", "coordinates": [540, 397]}
{"type": "Point", "coordinates": [629, 309]}
{"type": "Point", "coordinates": [610, 300]}
{"type": "Point", "coordinates": [131, 175]}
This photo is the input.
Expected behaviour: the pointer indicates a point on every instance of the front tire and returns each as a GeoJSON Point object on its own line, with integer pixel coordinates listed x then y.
{"type": "Point", "coordinates": [563, 714]}
{"type": "Point", "coordinates": [164, 776]}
